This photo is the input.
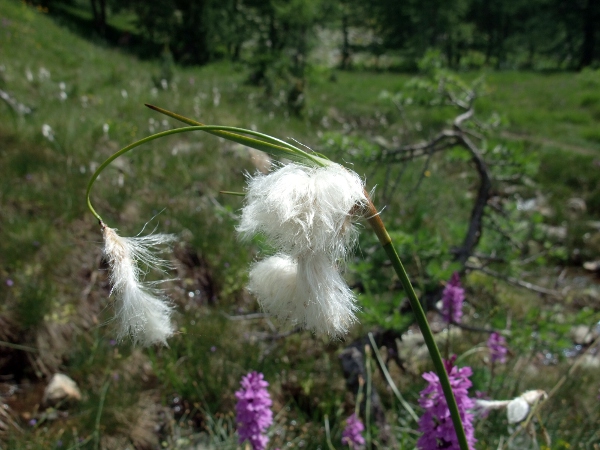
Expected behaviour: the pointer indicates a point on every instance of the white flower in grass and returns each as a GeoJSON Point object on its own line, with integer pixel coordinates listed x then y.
{"type": "Point", "coordinates": [48, 132]}
{"type": "Point", "coordinates": [141, 311]}
{"type": "Point", "coordinates": [309, 291]}
{"type": "Point", "coordinates": [518, 408]}
{"type": "Point", "coordinates": [305, 209]}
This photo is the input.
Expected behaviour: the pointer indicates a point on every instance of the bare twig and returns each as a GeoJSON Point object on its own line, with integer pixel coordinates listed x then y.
{"type": "Point", "coordinates": [423, 175]}
{"type": "Point", "coordinates": [458, 121]}
{"type": "Point", "coordinates": [25, 348]}
{"type": "Point", "coordinates": [274, 337]}
{"type": "Point", "coordinates": [489, 258]}
{"type": "Point", "coordinates": [494, 225]}
{"type": "Point", "coordinates": [483, 194]}
{"type": "Point", "coordinates": [445, 139]}
{"type": "Point", "coordinates": [473, 328]}
{"type": "Point", "coordinates": [515, 281]}
{"type": "Point", "coordinates": [251, 316]}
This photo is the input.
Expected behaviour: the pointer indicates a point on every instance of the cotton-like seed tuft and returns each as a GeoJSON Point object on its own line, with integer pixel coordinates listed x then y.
{"type": "Point", "coordinates": [305, 209]}
{"type": "Point", "coordinates": [142, 312]}
{"type": "Point", "coordinates": [274, 282]}
{"type": "Point", "coordinates": [308, 291]}
{"type": "Point", "coordinates": [517, 409]}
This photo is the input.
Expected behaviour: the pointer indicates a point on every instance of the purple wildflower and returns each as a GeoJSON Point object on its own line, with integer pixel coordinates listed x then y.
{"type": "Point", "coordinates": [436, 423]}
{"type": "Point", "coordinates": [253, 410]}
{"type": "Point", "coordinates": [452, 300]}
{"type": "Point", "coordinates": [497, 345]}
{"type": "Point", "coordinates": [351, 436]}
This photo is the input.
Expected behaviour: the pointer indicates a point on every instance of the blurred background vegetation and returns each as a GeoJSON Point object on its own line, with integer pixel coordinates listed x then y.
{"type": "Point", "coordinates": [383, 87]}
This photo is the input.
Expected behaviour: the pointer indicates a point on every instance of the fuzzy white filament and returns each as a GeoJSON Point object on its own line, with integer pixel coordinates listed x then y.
{"type": "Point", "coordinates": [309, 291]}
{"type": "Point", "coordinates": [305, 209]}
{"type": "Point", "coordinates": [142, 313]}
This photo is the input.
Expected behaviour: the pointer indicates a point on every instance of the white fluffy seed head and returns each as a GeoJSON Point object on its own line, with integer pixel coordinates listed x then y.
{"type": "Point", "coordinates": [518, 408]}
{"type": "Point", "coordinates": [308, 291]}
{"type": "Point", "coordinates": [142, 312]}
{"type": "Point", "coordinates": [305, 209]}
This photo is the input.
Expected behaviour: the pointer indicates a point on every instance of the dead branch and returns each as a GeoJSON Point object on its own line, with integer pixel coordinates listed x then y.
{"type": "Point", "coordinates": [277, 336]}
{"type": "Point", "coordinates": [473, 328]}
{"type": "Point", "coordinates": [251, 316]}
{"type": "Point", "coordinates": [483, 194]}
{"type": "Point", "coordinates": [515, 281]}
{"type": "Point", "coordinates": [444, 140]}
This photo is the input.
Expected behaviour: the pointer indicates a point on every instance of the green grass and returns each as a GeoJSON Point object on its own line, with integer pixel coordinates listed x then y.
{"type": "Point", "coordinates": [560, 108]}
{"type": "Point", "coordinates": [50, 244]}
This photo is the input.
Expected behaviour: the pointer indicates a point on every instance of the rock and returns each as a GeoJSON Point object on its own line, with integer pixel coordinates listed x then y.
{"type": "Point", "coordinates": [592, 266]}
{"type": "Point", "coordinates": [583, 335]}
{"type": "Point", "coordinates": [576, 205]}
{"type": "Point", "coordinates": [559, 233]}
{"type": "Point", "coordinates": [591, 362]}
{"type": "Point", "coordinates": [61, 388]}
{"type": "Point", "coordinates": [592, 242]}
{"type": "Point", "coordinates": [595, 224]}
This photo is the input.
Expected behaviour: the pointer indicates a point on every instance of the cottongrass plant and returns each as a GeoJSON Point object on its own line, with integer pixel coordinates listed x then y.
{"type": "Point", "coordinates": [308, 291]}
{"type": "Point", "coordinates": [306, 209]}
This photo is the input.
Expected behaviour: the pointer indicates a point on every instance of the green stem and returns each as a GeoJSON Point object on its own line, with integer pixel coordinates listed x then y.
{"type": "Point", "coordinates": [388, 377]}
{"type": "Point", "coordinates": [369, 391]}
{"type": "Point", "coordinates": [421, 318]}
{"type": "Point", "coordinates": [280, 149]}
{"type": "Point", "coordinates": [99, 415]}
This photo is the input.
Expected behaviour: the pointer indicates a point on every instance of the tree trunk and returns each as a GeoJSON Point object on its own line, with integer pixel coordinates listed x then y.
{"type": "Point", "coordinates": [99, 13]}
{"type": "Point", "coordinates": [590, 16]}
{"type": "Point", "coordinates": [345, 62]}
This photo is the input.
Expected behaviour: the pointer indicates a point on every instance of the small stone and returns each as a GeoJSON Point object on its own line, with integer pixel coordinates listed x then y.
{"type": "Point", "coordinates": [582, 334]}
{"type": "Point", "coordinates": [592, 266]}
{"type": "Point", "coordinates": [61, 388]}
{"type": "Point", "coordinates": [576, 205]}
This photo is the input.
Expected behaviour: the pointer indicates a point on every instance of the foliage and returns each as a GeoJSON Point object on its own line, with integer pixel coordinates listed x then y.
{"type": "Point", "coordinates": [53, 286]}
{"type": "Point", "coordinates": [275, 36]}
